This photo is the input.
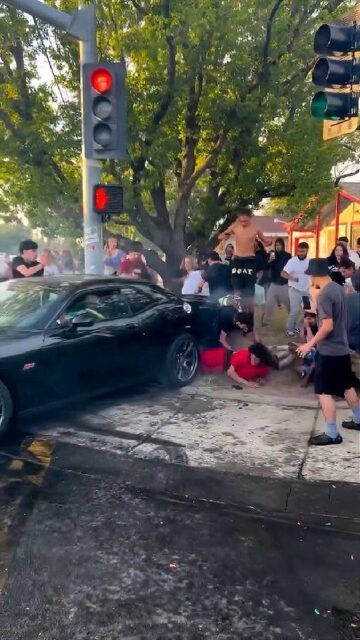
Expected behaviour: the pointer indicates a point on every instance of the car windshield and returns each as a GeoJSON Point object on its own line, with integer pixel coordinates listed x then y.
{"type": "Point", "coordinates": [27, 304]}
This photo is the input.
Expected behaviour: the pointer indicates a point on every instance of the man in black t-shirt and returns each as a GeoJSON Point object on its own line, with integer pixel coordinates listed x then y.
{"type": "Point", "coordinates": [26, 264]}
{"type": "Point", "coordinates": [218, 277]}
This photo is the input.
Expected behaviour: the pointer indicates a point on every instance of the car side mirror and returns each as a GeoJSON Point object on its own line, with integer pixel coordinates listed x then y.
{"type": "Point", "coordinates": [82, 321]}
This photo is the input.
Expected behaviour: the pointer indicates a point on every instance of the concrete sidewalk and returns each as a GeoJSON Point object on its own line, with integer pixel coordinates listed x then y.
{"type": "Point", "coordinates": [211, 425]}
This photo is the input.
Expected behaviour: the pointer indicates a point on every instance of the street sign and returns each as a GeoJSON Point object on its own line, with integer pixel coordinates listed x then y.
{"type": "Point", "coordinates": [334, 129]}
{"type": "Point", "coordinates": [108, 199]}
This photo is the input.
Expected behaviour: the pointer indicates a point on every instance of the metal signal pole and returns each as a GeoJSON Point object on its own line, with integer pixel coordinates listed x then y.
{"type": "Point", "coordinates": [93, 233]}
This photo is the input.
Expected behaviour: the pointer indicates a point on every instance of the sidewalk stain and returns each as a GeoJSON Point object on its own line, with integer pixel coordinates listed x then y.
{"type": "Point", "coordinates": [19, 478]}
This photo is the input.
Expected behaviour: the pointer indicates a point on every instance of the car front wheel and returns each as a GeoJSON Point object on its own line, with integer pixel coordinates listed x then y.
{"type": "Point", "coordinates": [6, 410]}
{"type": "Point", "coordinates": [182, 361]}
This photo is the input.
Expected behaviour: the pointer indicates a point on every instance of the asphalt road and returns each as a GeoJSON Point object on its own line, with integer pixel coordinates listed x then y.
{"type": "Point", "coordinates": [83, 555]}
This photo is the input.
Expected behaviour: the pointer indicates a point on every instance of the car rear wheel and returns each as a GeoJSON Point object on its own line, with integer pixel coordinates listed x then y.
{"type": "Point", "coordinates": [182, 361]}
{"type": "Point", "coordinates": [6, 410]}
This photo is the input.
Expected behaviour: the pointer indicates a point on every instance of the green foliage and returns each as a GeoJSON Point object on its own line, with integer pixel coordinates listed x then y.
{"type": "Point", "coordinates": [218, 114]}
{"type": "Point", "coordinates": [11, 236]}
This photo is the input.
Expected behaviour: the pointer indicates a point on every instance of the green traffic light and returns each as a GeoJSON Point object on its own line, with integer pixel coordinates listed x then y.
{"type": "Point", "coordinates": [319, 105]}
{"type": "Point", "coordinates": [327, 105]}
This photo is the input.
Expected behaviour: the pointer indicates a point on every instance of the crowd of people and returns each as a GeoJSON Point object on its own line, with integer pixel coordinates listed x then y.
{"type": "Point", "coordinates": [321, 297]}
{"type": "Point", "coordinates": [30, 262]}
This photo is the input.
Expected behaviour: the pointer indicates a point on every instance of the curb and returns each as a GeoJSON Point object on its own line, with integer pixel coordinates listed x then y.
{"type": "Point", "coordinates": [314, 504]}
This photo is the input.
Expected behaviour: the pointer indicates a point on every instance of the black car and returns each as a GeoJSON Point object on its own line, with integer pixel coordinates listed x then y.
{"type": "Point", "coordinates": [66, 337]}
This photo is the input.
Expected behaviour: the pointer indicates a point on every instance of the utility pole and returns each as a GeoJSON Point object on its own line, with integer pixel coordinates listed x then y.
{"type": "Point", "coordinates": [80, 25]}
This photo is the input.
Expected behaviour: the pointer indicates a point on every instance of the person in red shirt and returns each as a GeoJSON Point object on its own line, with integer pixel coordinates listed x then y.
{"type": "Point", "coordinates": [134, 265]}
{"type": "Point", "coordinates": [249, 366]}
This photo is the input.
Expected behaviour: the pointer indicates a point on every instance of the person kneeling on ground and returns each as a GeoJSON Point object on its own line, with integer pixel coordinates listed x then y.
{"type": "Point", "coordinates": [306, 366]}
{"type": "Point", "coordinates": [231, 319]}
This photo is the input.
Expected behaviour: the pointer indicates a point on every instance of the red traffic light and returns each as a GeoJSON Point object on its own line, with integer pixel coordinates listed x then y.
{"type": "Point", "coordinates": [101, 199]}
{"type": "Point", "coordinates": [101, 80]}
{"type": "Point", "coordinates": [108, 199]}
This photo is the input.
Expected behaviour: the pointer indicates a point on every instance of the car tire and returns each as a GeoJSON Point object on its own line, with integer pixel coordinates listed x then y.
{"type": "Point", "coordinates": [182, 361]}
{"type": "Point", "coordinates": [6, 411]}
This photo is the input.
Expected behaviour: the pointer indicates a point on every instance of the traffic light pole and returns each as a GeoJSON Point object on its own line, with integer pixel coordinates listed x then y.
{"type": "Point", "coordinates": [93, 240]}
{"type": "Point", "coordinates": [81, 25]}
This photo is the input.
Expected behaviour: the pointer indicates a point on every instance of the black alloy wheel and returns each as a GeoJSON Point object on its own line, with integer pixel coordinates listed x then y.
{"type": "Point", "coordinates": [182, 361]}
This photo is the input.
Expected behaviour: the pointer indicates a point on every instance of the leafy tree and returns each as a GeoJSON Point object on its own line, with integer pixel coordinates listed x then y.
{"type": "Point", "coordinates": [39, 139]}
{"type": "Point", "coordinates": [218, 114]}
{"type": "Point", "coordinates": [11, 236]}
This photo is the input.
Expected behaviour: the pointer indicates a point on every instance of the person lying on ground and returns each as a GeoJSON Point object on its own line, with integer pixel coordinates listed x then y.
{"type": "Point", "coordinates": [249, 367]}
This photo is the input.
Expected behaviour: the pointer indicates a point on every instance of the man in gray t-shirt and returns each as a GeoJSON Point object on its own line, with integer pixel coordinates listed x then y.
{"type": "Point", "coordinates": [333, 374]}
{"type": "Point", "coordinates": [353, 313]}
{"type": "Point", "coordinates": [331, 303]}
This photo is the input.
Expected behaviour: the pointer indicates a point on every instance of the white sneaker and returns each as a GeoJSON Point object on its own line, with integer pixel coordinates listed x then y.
{"type": "Point", "coordinates": [291, 334]}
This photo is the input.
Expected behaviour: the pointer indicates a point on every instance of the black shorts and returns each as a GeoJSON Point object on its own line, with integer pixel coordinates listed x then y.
{"type": "Point", "coordinates": [333, 375]}
{"type": "Point", "coordinates": [243, 276]}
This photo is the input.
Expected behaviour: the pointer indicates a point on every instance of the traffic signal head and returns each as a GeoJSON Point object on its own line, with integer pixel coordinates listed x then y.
{"type": "Point", "coordinates": [332, 39]}
{"type": "Point", "coordinates": [104, 110]}
{"type": "Point", "coordinates": [328, 105]}
{"type": "Point", "coordinates": [336, 71]}
{"type": "Point", "coordinates": [330, 72]}
{"type": "Point", "coordinates": [108, 199]}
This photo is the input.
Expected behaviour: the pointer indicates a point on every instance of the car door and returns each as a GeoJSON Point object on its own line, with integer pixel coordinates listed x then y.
{"type": "Point", "coordinates": [122, 365]}
{"type": "Point", "coordinates": [85, 341]}
{"type": "Point", "coordinates": [160, 317]}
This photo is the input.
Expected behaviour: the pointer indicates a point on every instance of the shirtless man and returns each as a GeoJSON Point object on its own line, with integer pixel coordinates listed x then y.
{"type": "Point", "coordinates": [243, 265]}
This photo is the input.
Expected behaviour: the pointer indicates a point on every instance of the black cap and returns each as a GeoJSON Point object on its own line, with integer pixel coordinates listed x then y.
{"type": "Point", "coordinates": [318, 267]}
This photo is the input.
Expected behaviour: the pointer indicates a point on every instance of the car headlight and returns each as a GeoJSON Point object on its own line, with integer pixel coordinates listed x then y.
{"type": "Point", "coordinates": [187, 307]}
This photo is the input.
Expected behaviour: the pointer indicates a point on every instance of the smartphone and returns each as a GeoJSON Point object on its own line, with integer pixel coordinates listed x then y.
{"type": "Point", "coordinates": [306, 303]}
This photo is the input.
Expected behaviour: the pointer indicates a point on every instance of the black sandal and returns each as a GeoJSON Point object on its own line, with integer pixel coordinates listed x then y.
{"type": "Point", "coordinates": [323, 439]}
{"type": "Point", "coordinates": [351, 424]}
